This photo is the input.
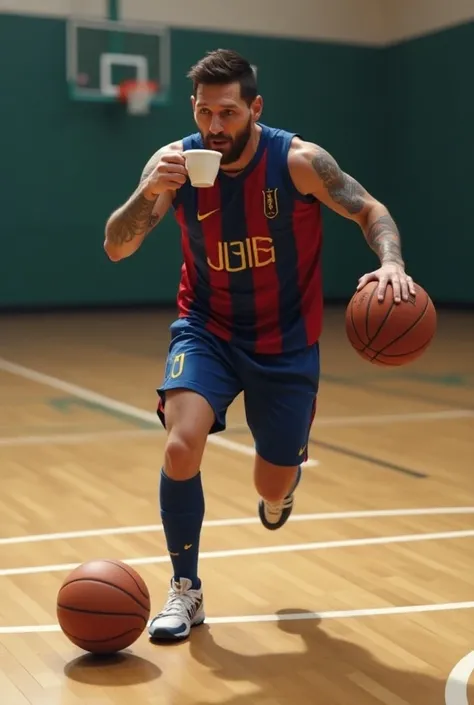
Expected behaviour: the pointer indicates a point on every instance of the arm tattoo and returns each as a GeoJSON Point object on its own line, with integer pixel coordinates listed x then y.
{"type": "Point", "coordinates": [342, 188]}
{"type": "Point", "coordinates": [136, 219]}
{"type": "Point", "coordinates": [384, 239]}
{"type": "Point", "coordinates": [382, 235]}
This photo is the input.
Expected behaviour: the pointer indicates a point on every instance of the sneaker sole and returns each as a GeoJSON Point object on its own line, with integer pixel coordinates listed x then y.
{"type": "Point", "coordinates": [166, 635]}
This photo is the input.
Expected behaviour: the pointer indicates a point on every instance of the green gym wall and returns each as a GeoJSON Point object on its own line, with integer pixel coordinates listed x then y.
{"type": "Point", "coordinates": [398, 118]}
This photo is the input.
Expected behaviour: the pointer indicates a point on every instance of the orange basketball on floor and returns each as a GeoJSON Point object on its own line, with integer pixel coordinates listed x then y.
{"type": "Point", "coordinates": [386, 333]}
{"type": "Point", "coordinates": [103, 606]}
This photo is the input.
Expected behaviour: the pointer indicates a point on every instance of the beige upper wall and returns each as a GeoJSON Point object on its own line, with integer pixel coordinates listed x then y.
{"type": "Point", "coordinates": [410, 18]}
{"type": "Point", "coordinates": [56, 8]}
{"type": "Point", "coordinates": [358, 21]}
{"type": "Point", "coordinates": [375, 22]}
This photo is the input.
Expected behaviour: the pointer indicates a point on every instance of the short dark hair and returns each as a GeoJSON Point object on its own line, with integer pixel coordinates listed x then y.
{"type": "Point", "coordinates": [223, 66]}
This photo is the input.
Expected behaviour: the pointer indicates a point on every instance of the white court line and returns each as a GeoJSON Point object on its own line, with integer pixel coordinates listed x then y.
{"type": "Point", "coordinates": [71, 438]}
{"type": "Point", "coordinates": [239, 521]}
{"type": "Point", "coordinates": [456, 687]}
{"type": "Point", "coordinates": [286, 617]}
{"type": "Point", "coordinates": [113, 404]}
{"type": "Point", "coordinates": [259, 551]}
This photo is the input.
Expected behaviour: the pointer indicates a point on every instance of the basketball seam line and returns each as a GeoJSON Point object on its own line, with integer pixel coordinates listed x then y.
{"type": "Point", "coordinates": [367, 312]}
{"type": "Point", "coordinates": [118, 565]}
{"type": "Point", "coordinates": [381, 352]}
{"type": "Point", "coordinates": [101, 612]}
{"type": "Point", "coordinates": [409, 352]}
{"type": "Point", "coordinates": [382, 323]}
{"type": "Point", "coordinates": [353, 324]}
{"type": "Point", "coordinates": [105, 582]}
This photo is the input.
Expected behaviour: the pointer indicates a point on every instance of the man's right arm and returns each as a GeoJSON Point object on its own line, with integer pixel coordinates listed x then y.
{"type": "Point", "coordinates": [128, 226]}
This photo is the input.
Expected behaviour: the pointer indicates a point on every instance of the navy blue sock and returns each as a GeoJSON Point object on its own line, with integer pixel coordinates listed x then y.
{"type": "Point", "coordinates": [182, 514]}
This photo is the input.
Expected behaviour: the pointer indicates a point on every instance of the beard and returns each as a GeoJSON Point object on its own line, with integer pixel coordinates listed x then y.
{"type": "Point", "coordinates": [231, 148]}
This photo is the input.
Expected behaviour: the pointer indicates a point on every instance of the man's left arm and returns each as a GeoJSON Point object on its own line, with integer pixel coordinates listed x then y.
{"type": "Point", "coordinates": [314, 171]}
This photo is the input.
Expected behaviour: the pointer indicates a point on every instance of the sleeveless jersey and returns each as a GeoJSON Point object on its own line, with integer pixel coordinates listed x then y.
{"type": "Point", "coordinates": [252, 253]}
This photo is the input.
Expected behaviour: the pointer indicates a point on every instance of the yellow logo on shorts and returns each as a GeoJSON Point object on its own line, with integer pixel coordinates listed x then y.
{"type": "Point", "coordinates": [302, 450]}
{"type": "Point", "coordinates": [177, 367]}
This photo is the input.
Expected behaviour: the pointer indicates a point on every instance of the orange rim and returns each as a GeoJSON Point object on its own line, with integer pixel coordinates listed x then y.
{"type": "Point", "coordinates": [127, 87]}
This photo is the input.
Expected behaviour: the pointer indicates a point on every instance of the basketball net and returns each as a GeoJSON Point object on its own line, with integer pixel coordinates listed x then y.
{"type": "Point", "coordinates": [137, 95]}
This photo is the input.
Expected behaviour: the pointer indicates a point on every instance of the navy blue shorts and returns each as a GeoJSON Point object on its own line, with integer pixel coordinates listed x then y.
{"type": "Point", "coordinates": [279, 390]}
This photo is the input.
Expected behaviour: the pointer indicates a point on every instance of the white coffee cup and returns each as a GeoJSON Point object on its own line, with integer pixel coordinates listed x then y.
{"type": "Point", "coordinates": [203, 166]}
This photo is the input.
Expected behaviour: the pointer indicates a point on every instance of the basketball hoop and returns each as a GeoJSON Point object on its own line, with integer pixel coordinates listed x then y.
{"type": "Point", "coordinates": [137, 95]}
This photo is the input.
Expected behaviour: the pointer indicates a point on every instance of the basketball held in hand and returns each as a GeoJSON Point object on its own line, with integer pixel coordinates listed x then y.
{"type": "Point", "coordinates": [389, 333]}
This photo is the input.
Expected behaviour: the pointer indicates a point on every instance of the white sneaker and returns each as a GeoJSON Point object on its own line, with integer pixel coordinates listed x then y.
{"type": "Point", "coordinates": [183, 609]}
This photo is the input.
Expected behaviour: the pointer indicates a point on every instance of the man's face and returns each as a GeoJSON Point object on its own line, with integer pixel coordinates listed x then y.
{"type": "Point", "coordinates": [224, 119]}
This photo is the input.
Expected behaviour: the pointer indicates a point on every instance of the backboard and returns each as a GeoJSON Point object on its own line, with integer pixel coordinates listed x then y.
{"type": "Point", "coordinates": [101, 54]}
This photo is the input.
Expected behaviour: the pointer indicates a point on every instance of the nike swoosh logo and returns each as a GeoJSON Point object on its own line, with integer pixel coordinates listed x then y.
{"type": "Point", "coordinates": [206, 215]}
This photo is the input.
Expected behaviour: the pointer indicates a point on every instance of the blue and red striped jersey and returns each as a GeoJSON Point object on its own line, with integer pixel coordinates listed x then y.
{"type": "Point", "coordinates": [252, 253]}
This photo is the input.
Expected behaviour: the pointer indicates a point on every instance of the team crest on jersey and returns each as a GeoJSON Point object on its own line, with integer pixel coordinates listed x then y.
{"type": "Point", "coordinates": [270, 202]}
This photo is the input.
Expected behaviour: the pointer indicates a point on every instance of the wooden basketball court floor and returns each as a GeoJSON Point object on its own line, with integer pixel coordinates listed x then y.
{"type": "Point", "coordinates": [366, 597]}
